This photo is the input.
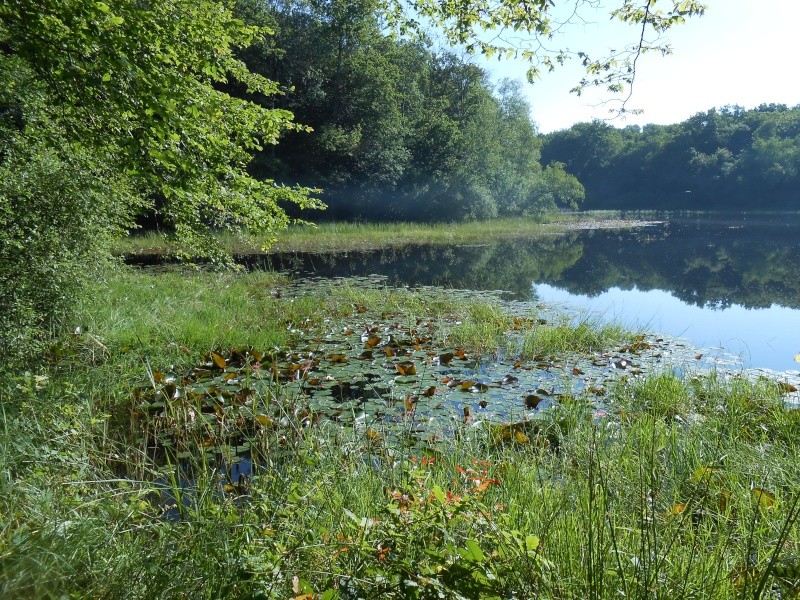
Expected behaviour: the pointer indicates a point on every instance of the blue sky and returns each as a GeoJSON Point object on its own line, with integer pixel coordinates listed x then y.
{"type": "Point", "coordinates": [741, 52]}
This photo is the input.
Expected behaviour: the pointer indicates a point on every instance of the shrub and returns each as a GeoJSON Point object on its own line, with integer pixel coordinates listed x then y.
{"type": "Point", "coordinates": [57, 213]}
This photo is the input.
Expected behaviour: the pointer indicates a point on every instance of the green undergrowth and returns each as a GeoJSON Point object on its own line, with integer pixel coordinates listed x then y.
{"type": "Point", "coordinates": [671, 488]}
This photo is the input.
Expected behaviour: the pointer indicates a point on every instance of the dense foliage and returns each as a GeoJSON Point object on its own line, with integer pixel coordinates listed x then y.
{"type": "Point", "coordinates": [106, 112]}
{"type": "Point", "coordinates": [726, 159]}
{"type": "Point", "coordinates": [400, 131]}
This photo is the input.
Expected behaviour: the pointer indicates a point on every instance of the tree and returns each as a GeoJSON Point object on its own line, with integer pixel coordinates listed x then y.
{"type": "Point", "coordinates": [137, 84]}
{"type": "Point", "coordinates": [106, 112]}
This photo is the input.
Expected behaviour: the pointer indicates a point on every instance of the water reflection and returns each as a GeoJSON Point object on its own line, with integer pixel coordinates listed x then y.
{"type": "Point", "coordinates": [699, 277]}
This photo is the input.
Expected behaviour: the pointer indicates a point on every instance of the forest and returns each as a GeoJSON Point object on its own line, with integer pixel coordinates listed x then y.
{"type": "Point", "coordinates": [722, 159]}
{"type": "Point", "coordinates": [404, 131]}
{"type": "Point", "coordinates": [401, 130]}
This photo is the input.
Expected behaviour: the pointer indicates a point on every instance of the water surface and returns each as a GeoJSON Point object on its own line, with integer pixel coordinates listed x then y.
{"type": "Point", "coordinates": [728, 283]}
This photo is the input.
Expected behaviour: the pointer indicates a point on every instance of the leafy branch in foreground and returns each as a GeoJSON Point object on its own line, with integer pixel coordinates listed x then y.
{"type": "Point", "coordinates": [138, 86]}
{"type": "Point", "coordinates": [528, 29]}
{"type": "Point", "coordinates": [112, 111]}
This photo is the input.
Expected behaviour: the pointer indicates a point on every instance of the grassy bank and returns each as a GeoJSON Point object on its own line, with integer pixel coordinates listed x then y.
{"type": "Point", "coordinates": [328, 237]}
{"type": "Point", "coordinates": [670, 488]}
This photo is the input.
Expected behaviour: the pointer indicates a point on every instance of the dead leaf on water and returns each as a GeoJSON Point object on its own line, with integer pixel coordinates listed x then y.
{"type": "Point", "coordinates": [532, 401]}
{"type": "Point", "coordinates": [406, 368]}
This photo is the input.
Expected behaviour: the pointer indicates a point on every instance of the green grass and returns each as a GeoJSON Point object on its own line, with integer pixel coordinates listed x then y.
{"type": "Point", "coordinates": [675, 489]}
{"type": "Point", "coordinates": [341, 236]}
{"type": "Point", "coordinates": [564, 338]}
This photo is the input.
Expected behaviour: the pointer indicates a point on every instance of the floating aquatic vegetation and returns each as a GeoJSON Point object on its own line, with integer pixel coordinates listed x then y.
{"type": "Point", "coordinates": [374, 368]}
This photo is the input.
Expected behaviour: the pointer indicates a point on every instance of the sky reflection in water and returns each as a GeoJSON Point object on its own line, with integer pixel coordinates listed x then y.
{"type": "Point", "coordinates": [761, 337]}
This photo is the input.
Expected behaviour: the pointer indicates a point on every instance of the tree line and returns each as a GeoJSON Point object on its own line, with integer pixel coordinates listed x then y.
{"type": "Point", "coordinates": [401, 131]}
{"type": "Point", "coordinates": [721, 159]}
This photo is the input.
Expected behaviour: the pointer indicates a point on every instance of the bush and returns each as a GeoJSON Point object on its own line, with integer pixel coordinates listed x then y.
{"type": "Point", "coordinates": [57, 213]}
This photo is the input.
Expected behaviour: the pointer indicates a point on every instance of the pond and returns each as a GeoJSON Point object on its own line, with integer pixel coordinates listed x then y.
{"type": "Point", "coordinates": [730, 284]}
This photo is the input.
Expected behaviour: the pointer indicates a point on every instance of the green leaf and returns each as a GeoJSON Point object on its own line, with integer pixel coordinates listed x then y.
{"type": "Point", "coordinates": [439, 494]}
{"type": "Point", "coordinates": [472, 552]}
{"type": "Point", "coordinates": [531, 543]}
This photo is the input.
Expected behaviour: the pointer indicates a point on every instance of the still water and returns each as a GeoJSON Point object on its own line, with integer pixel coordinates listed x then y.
{"type": "Point", "coordinates": [725, 283]}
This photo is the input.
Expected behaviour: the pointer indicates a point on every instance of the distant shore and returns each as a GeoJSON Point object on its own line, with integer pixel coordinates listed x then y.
{"type": "Point", "coordinates": [347, 237]}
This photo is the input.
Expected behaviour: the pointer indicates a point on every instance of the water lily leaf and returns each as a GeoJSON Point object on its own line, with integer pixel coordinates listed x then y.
{"type": "Point", "coordinates": [520, 437]}
{"type": "Point", "coordinates": [338, 358]}
{"type": "Point", "coordinates": [509, 380]}
{"type": "Point", "coordinates": [264, 420]}
{"type": "Point", "coordinates": [465, 386]}
{"type": "Point", "coordinates": [764, 498]}
{"type": "Point", "coordinates": [218, 360]}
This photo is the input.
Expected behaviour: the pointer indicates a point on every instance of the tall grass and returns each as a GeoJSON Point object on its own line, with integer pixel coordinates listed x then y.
{"type": "Point", "coordinates": [640, 505]}
{"type": "Point", "coordinates": [676, 489]}
{"type": "Point", "coordinates": [585, 337]}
